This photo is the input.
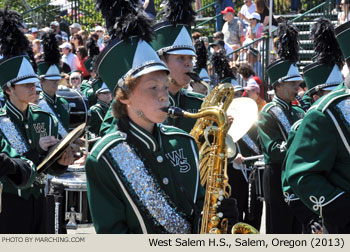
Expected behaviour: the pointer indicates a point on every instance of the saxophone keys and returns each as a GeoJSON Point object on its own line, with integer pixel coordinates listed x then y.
{"type": "Point", "coordinates": [215, 220]}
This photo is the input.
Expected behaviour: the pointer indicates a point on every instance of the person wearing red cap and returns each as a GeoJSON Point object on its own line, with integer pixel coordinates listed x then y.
{"type": "Point", "coordinates": [232, 29]}
{"type": "Point", "coordinates": [253, 90]}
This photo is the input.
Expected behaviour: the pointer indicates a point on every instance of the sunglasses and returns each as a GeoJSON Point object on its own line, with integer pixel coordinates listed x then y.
{"type": "Point", "coordinates": [75, 78]}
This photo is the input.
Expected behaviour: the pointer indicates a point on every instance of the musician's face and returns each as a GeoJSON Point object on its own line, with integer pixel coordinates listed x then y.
{"type": "Point", "coordinates": [24, 93]}
{"type": "Point", "coordinates": [179, 65]}
{"type": "Point", "coordinates": [50, 86]}
{"type": "Point", "coordinates": [288, 90]}
{"type": "Point", "coordinates": [145, 102]}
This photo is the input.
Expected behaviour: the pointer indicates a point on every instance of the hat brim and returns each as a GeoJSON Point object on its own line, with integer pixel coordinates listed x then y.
{"type": "Point", "coordinates": [292, 78]}
{"type": "Point", "coordinates": [151, 69]}
{"type": "Point", "coordinates": [182, 52]}
{"type": "Point", "coordinates": [56, 77]}
{"type": "Point", "coordinates": [28, 80]}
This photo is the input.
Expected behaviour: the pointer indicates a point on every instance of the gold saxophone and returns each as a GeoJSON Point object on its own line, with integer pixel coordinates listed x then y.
{"type": "Point", "coordinates": [213, 156]}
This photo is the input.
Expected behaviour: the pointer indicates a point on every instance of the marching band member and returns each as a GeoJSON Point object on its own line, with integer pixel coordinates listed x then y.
{"type": "Point", "coordinates": [318, 159]}
{"type": "Point", "coordinates": [99, 110]}
{"type": "Point", "coordinates": [142, 178]}
{"type": "Point", "coordinates": [26, 128]}
{"type": "Point", "coordinates": [50, 75]}
{"type": "Point", "coordinates": [175, 47]}
{"type": "Point", "coordinates": [321, 78]}
{"type": "Point", "coordinates": [274, 125]}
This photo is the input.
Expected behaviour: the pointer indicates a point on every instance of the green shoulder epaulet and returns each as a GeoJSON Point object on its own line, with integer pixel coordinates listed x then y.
{"type": "Point", "coordinates": [35, 108]}
{"type": "Point", "coordinates": [193, 95]}
{"type": "Point", "coordinates": [268, 106]}
{"type": "Point", "coordinates": [296, 125]}
{"type": "Point", "coordinates": [106, 142]}
{"type": "Point", "coordinates": [325, 101]}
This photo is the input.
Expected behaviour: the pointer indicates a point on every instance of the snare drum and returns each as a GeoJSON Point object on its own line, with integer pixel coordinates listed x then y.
{"type": "Point", "coordinates": [259, 167]}
{"type": "Point", "coordinates": [78, 106]}
{"type": "Point", "coordinates": [76, 210]}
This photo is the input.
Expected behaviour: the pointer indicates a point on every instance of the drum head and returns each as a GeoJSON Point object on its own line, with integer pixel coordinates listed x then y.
{"type": "Point", "coordinates": [56, 151]}
{"type": "Point", "coordinates": [76, 168]}
{"type": "Point", "coordinates": [245, 113]}
{"type": "Point", "coordinates": [71, 180]}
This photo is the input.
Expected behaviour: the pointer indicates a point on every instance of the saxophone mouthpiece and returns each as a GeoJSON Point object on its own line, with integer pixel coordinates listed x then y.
{"type": "Point", "coordinates": [173, 111]}
{"type": "Point", "coordinates": [194, 76]}
{"type": "Point", "coordinates": [302, 103]}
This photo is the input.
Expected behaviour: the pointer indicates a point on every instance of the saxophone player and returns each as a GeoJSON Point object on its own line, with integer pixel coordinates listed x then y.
{"type": "Point", "coordinates": [143, 177]}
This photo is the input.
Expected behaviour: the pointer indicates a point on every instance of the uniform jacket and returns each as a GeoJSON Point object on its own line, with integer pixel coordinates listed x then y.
{"type": "Point", "coordinates": [58, 107]}
{"type": "Point", "coordinates": [317, 165]}
{"type": "Point", "coordinates": [274, 125]}
{"type": "Point", "coordinates": [22, 132]}
{"type": "Point", "coordinates": [98, 112]}
{"type": "Point", "coordinates": [137, 190]}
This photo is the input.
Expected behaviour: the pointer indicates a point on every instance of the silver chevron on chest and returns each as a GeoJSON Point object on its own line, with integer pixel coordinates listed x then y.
{"type": "Point", "coordinates": [148, 191]}
{"type": "Point", "coordinates": [13, 136]}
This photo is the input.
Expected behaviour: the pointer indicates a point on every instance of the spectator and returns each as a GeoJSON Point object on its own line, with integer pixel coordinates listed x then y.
{"type": "Point", "coordinates": [221, 5]}
{"type": "Point", "coordinates": [232, 29]}
{"type": "Point", "coordinates": [294, 5]}
{"type": "Point", "coordinates": [75, 80]}
{"type": "Point", "coordinates": [255, 28]}
{"type": "Point", "coordinates": [253, 91]}
{"type": "Point", "coordinates": [36, 46]}
{"type": "Point", "coordinates": [84, 35]}
{"type": "Point", "coordinates": [246, 72]}
{"type": "Point", "coordinates": [74, 28]}
{"type": "Point", "coordinates": [197, 6]}
{"type": "Point", "coordinates": [247, 9]}
{"type": "Point", "coordinates": [220, 36]}
{"type": "Point", "coordinates": [34, 32]}
{"type": "Point", "coordinates": [195, 36]}
{"type": "Point", "coordinates": [100, 32]}
{"type": "Point", "coordinates": [148, 6]}
{"type": "Point", "coordinates": [264, 13]}
{"type": "Point", "coordinates": [77, 41]}
{"type": "Point", "coordinates": [64, 25]}
{"type": "Point", "coordinates": [56, 27]}
{"type": "Point", "coordinates": [68, 56]}
{"type": "Point", "coordinates": [344, 15]}
{"type": "Point", "coordinates": [82, 57]}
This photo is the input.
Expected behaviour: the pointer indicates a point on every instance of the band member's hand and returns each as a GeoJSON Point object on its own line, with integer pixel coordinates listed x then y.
{"type": "Point", "coordinates": [75, 148]}
{"type": "Point", "coordinates": [46, 142]}
{"type": "Point", "coordinates": [229, 210]}
{"type": "Point", "coordinates": [80, 142]}
{"type": "Point", "coordinates": [230, 119]}
{"type": "Point", "coordinates": [239, 159]}
{"type": "Point", "coordinates": [67, 157]}
{"type": "Point", "coordinates": [316, 227]}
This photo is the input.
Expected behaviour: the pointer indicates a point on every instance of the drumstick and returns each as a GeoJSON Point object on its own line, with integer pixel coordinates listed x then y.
{"type": "Point", "coordinates": [253, 157]}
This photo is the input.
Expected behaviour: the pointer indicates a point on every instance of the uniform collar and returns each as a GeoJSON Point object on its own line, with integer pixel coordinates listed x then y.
{"type": "Point", "coordinates": [15, 112]}
{"type": "Point", "coordinates": [282, 103]}
{"type": "Point", "coordinates": [144, 136]}
{"type": "Point", "coordinates": [103, 104]}
{"type": "Point", "coordinates": [48, 98]}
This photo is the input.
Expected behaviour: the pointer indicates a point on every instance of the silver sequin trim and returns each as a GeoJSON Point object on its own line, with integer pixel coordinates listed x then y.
{"type": "Point", "coordinates": [13, 136]}
{"type": "Point", "coordinates": [278, 112]}
{"type": "Point", "coordinates": [246, 138]}
{"type": "Point", "coordinates": [149, 193]}
{"type": "Point", "coordinates": [344, 107]}
{"type": "Point", "coordinates": [44, 106]}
